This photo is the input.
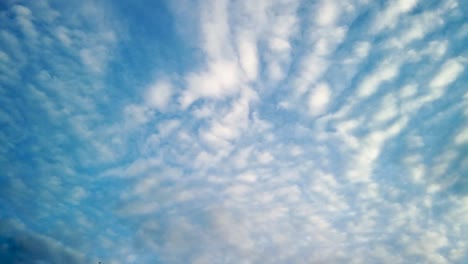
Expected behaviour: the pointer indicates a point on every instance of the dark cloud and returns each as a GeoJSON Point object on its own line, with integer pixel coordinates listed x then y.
{"type": "Point", "coordinates": [20, 245]}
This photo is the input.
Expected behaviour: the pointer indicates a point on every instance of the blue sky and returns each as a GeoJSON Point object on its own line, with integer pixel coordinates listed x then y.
{"type": "Point", "coordinates": [270, 131]}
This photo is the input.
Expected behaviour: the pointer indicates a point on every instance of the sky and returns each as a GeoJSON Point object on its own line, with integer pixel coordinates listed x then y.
{"type": "Point", "coordinates": [217, 131]}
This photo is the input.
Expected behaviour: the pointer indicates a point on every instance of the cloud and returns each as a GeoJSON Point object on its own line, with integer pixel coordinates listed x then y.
{"type": "Point", "coordinates": [23, 18]}
{"type": "Point", "coordinates": [429, 250]}
{"type": "Point", "coordinates": [388, 110]}
{"type": "Point", "coordinates": [462, 136]}
{"type": "Point", "coordinates": [327, 13]}
{"type": "Point", "coordinates": [215, 29]}
{"type": "Point", "coordinates": [78, 194]}
{"type": "Point", "coordinates": [229, 126]}
{"type": "Point", "coordinates": [248, 56]}
{"type": "Point", "coordinates": [418, 28]}
{"type": "Point", "coordinates": [22, 245]}
{"type": "Point", "coordinates": [319, 98]}
{"type": "Point", "coordinates": [448, 73]}
{"type": "Point", "coordinates": [385, 72]}
{"type": "Point", "coordinates": [93, 58]}
{"type": "Point", "coordinates": [265, 157]}
{"type": "Point", "coordinates": [219, 80]}
{"type": "Point", "coordinates": [370, 149]}
{"type": "Point", "coordinates": [159, 95]}
{"type": "Point", "coordinates": [138, 113]}
{"type": "Point", "coordinates": [389, 17]}
{"type": "Point", "coordinates": [276, 131]}
{"type": "Point", "coordinates": [281, 27]}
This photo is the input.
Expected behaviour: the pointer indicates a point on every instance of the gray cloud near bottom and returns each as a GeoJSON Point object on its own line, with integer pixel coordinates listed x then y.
{"type": "Point", "coordinates": [20, 245]}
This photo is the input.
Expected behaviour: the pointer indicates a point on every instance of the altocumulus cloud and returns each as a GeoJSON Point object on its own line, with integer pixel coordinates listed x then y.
{"type": "Point", "coordinates": [271, 131]}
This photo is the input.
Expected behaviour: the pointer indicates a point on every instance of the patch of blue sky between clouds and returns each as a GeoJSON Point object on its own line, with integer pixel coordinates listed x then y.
{"type": "Point", "coordinates": [277, 131]}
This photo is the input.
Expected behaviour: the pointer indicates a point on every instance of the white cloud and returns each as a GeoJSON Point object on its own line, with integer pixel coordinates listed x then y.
{"type": "Point", "coordinates": [24, 19]}
{"type": "Point", "coordinates": [443, 161]}
{"type": "Point", "coordinates": [458, 215]}
{"type": "Point", "coordinates": [250, 185]}
{"type": "Point", "coordinates": [265, 157]}
{"type": "Point", "coordinates": [416, 168]}
{"type": "Point", "coordinates": [247, 177]}
{"type": "Point", "coordinates": [362, 48]}
{"type": "Point", "coordinates": [312, 69]}
{"type": "Point", "coordinates": [389, 18]}
{"type": "Point", "coordinates": [215, 29]}
{"type": "Point", "coordinates": [219, 80]}
{"type": "Point", "coordinates": [433, 188]}
{"type": "Point", "coordinates": [458, 252]}
{"type": "Point", "coordinates": [248, 56]}
{"type": "Point", "coordinates": [147, 184]}
{"type": "Point", "coordinates": [417, 28]}
{"type": "Point", "coordinates": [462, 136]}
{"type": "Point", "coordinates": [345, 129]}
{"type": "Point", "coordinates": [63, 34]}
{"type": "Point", "coordinates": [362, 163]}
{"type": "Point", "coordinates": [296, 150]}
{"type": "Point", "coordinates": [78, 193]}
{"type": "Point", "coordinates": [242, 157]}
{"type": "Point", "coordinates": [94, 58]}
{"type": "Point", "coordinates": [328, 39]}
{"type": "Point", "coordinates": [228, 125]}
{"type": "Point", "coordinates": [435, 51]}
{"type": "Point", "coordinates": [159, 95]}
{"type": "Point", "coordinates": [327, 13]}
{"type": "Point", "coordinates": [282, 26]}
{"type": "Point", "coordinates": [166, 128]}
{"type": "Point", "coordinates": [319, 98]}
{"type": "Point", "coordinates": [385, 72]}
{"type": "Point", "coordinates": [22, 10]}
{"type": "Point", "coordinates": [448, 73]}
{"type": "Point", "coordinates": [138, 114]}
{"type": "Point", "coordinates": [238, 191]}
{"type": "Point", "coordinates": [388, 109]}
{"type": "Point", "coordinates": [279, 45]}
{"type": "Point", "coordinates": [428, 245]}
{"type": "Point", "coordinates": [409, 90]}
{"type": "Point", "coordinates": [315, 63]}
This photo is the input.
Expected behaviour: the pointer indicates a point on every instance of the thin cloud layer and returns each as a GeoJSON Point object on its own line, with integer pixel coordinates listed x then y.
{"type": "Point", "coordinates": [278, 131]}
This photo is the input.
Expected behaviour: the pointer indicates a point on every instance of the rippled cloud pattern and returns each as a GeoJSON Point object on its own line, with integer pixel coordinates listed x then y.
{"type": "Point", "coordinates": [217, 131]}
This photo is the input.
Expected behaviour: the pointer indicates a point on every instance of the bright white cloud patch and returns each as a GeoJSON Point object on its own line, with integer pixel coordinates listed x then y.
{"type": "Point", "coordinates": [449, 72]}
{"type": "Point", "coordinates": [220, 80]}
{"type": "Point", "coordinates": [327, 13]}
{"type": "Point", "coordinates": [319, 98]}
{"type": "Point", "coordinates": [248, 57]}
{"type": "Point", "coordinates": [159, 95]}
{"type": "Point", "coordinates": [278, 131]}
{"type": "Point", "coordinates": [389, 17]}
{"type": "Point", "coordinates": [370, 85]}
